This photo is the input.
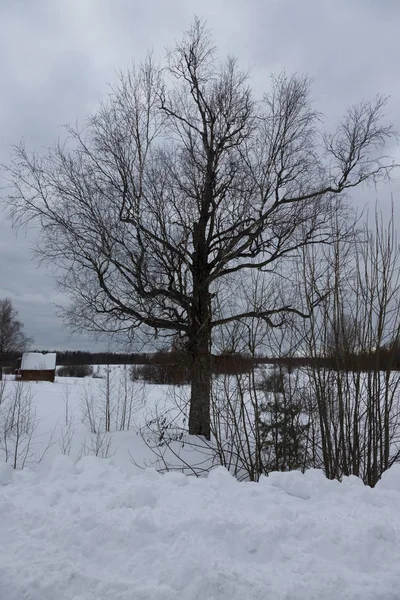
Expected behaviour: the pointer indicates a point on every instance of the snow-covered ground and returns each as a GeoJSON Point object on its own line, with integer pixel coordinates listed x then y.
{"type": "Point", "coordinates": [103, 529]}
{"type": "Point", "coordinates": [90, 531]}
{"type": "Point", "coordinates": [68, 417]}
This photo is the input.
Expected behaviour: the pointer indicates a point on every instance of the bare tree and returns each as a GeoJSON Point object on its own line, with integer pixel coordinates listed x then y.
{"type": "Point", "coordinates": [18, 423]}
{"type": "Point", "coordinates": [67, 430]}
{"type": "Point", "coordinates": [179, 183]}
{"type": "Point", "coordinates": [12, 337]}
{"type": "Point", "coordinates": [357, 390]}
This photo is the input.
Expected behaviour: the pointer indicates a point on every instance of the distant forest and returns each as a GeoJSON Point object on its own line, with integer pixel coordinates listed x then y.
{"type": "Point", "coordinates": [78, 357]}
{"type": "Point", "coordinates": [384, 358]}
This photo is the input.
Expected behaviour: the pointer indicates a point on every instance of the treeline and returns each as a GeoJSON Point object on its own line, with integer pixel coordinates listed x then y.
{"type": "Point", "coordinates": [174, 367]}
{"type": "Point", "coordinates": [222, 363]}
{"type": "Point", "coordinates": [381, 359]}
{"type": "Point", "coordinates": [78, 357]}
{"type": "Point", "coordinates": [386, 358]}
{"type": "Point", "coordinates": [164, 361]}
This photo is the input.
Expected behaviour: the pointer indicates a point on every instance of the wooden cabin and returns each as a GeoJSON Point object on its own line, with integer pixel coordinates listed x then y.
{"type": "Point", "coordinates": [38, 366]}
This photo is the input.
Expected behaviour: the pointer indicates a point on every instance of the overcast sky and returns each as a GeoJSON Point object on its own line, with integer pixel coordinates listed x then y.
{"type": "Point", "coordinates": [57, 57]}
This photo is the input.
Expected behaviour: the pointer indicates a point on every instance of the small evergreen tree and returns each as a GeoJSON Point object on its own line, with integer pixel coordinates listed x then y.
{"type": "Point", "coordinates": [283, 424]}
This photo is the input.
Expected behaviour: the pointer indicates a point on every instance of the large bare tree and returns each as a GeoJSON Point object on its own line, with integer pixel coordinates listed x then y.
{"type": "Point", "coordinates": [180, 182]}
{"type": "Point", "coordinates": [12, 336]}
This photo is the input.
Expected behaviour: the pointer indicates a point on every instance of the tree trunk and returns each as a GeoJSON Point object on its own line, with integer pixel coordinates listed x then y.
{"type": "Point", "coordinates": [200, 400]}
{"type": "Point", "coordinates": [200, 340]}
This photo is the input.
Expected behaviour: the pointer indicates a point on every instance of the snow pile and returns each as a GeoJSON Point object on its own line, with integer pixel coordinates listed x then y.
{"type": "Point", "coordinates": [92, 532]}
{"type": "Point", "coordinates": [38, 361]}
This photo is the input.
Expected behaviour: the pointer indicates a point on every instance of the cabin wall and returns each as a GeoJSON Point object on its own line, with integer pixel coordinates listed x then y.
{"type": "Point", "coordinates": [28, 375]}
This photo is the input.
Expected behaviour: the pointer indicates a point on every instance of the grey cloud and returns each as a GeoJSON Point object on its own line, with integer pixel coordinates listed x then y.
{"type": "Point", "coordinates": [56, 59]}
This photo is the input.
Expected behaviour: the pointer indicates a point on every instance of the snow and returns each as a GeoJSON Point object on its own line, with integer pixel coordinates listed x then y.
{"type": "Point", "coordinates": [38, 361]}
{"type": "Point", "coordinates": [94, 529]}
{"type": "Point", "coordinates": [6, 474]}
{"type": "Point", "coordinates": [91, 531]}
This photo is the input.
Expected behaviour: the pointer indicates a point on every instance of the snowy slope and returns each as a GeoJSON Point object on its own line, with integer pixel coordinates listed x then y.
{"type": "Point", "coordinates": [91, 531]}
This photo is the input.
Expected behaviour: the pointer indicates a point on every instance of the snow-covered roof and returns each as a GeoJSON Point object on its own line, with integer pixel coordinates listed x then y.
{"type": "Point", "coordinates": [36, 361]}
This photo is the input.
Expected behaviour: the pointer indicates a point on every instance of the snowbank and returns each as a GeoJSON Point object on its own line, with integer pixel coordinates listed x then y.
{"type": "Point", "coordinates": [92, 532]}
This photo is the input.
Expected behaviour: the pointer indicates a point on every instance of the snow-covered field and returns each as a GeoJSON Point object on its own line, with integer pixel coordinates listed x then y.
{"type": "Point", "coordinates": [68, 417]}
{"type": "Point", "coordinates": [103, 529]}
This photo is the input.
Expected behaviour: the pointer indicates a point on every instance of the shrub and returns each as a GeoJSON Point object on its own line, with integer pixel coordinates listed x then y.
{"type": "Point", "coordinates": [162, 374]}
{"type": "Point", "coordinates": [273, 381]}
{"type": "Point", "coordinates": [8, 370]}
{"type": "Point", "coordinates": [75, 371]}
{"type": "Point", "coordinates": [173, 367]}
{"type": "Point", "coordinates": [283, 424]}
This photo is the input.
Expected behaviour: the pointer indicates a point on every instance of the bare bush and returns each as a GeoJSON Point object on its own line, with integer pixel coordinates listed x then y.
{"type": "Point", "coordinates": [67, 431]}
{"type": "Point", "coordinates": [18, 423]}
{"type": "Point", "coordinates": [112, 403]}
{"type": "Point", "coordinates": [171, 447]}
{"type": "Point", "coordinates": [131, 398]}
{"type": "Point", "coordinates": [358, 394]}
{"type": "Point", "coordinates": [75, 371]}
{"type": "Point", "coordinates": [99, 444]}
{"type": "Point", "coordinates": [89, 411]}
